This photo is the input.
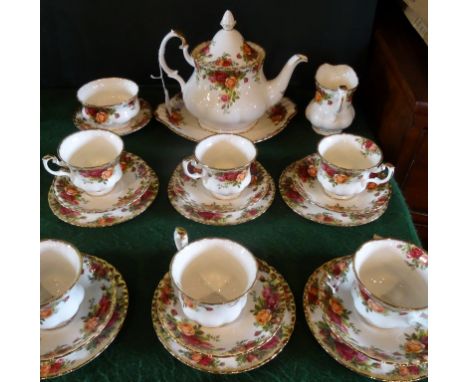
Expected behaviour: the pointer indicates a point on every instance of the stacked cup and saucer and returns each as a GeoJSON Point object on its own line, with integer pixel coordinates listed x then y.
{"type": "Point", "coordinates": [221, 310]}
{"type": "Point", "coordinates": [369, 310]}
{"type": "Point", "coordinates": [98, 183]}
{"type": "Point", "coordinates": [222, 183]}
{"type": "Point", "coordinates": [84, 301]}
{"type": "Point", "coordinates": [343, 184]}
{"type": "Point", "coordinates": [111, 104]}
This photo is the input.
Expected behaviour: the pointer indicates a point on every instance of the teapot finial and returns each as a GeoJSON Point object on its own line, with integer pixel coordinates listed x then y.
{"type": "Point", "coordinates": [228, 23]}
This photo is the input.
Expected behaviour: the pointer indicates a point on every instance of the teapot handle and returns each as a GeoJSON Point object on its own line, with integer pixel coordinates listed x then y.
{"type": "Point", "coordinates": [162, 61]}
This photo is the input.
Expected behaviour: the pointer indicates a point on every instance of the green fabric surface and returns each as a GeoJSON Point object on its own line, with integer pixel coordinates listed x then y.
{"type": "Point", "coordinates": [142, 248]}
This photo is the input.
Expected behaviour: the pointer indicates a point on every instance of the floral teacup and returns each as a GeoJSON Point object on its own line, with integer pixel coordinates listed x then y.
{"type": "Point", "coordinates": [390, 290]}
{"type": "Point", "coordinates": [91, 159]}
{"type": "Point", "coordinates": [212, 278]}
{"type": "Point", "coordinates": [348, 163]}
{"type": "Point", "coordinates": [223, 164]}
{"type": "Point", "coordinates": [109, 101]}
{"type": "Point", "coordinates": [61, 294]}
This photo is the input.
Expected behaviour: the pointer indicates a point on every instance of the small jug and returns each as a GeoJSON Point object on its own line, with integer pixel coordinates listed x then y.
{"type": "Point", "coordinates": [331, 110]}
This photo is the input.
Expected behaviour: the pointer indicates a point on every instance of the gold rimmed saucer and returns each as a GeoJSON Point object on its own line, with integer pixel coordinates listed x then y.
{"type": "Point", "coordinates": [246, 361]}
{"type": "Point", "coordinates": [59, 366]}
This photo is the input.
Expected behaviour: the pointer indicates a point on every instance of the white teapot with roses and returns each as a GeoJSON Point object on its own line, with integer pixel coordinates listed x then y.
{"type": "Point", "coordinates": [228, 91]}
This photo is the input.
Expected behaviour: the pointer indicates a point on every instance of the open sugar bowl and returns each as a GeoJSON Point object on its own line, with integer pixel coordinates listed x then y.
{"type": "Point", "coordinates": [60, 293]}
{"type": "Point", "coordinates": [391, 283]}
{"type": "Point", "coordinates": [109, 101]}
{"type": "Point", "coordinates": [212, 278]}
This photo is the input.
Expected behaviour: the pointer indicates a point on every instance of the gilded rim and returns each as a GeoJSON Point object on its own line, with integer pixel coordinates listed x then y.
{"type": "Point", "coordinates": [356, 274]}
{"type": "Point", "coordinates": [270, 270]}
{"type": "Point", "coordinates": [311, 324]}
{"type": "Point", "coordinates": [123, 300]}
{"type": "Point", "coordinates": [98, 211]}
{"type": "Point", "coordinates": [353, 170]}
{"type": "Point", "coordinates": [291, 306]}
{"type": "Point", "coordinates": [112, 162]}
{"type": "Point", "coordinates": [103, 324]}
{"type": "Point", "coordinates": [55, 207]}
{"type": "Point", "coordinates": [133, 125]}
{"type": "Point", "coordinates": [244, 166]}
{"type": "Point", "coordinates": [217, 303]}
{"type": "Point", "coordinates": [131, 98]}
{"type": "Point", "coordinates": [370, 217]}
{"type": "Point", "coordinates": [305, 195]}
{"type": "Point", "coordinates": [271, 198]}
{"type": "Point", "coordinates": [80, 255]}
{"type": "Point", "coordinates": [335, 331]}
{"type": "Point", "coordinates": [286, 102]}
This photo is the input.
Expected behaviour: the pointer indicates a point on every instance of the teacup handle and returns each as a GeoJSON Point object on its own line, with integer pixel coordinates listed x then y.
{"type": "Point", "coordinates": [386, 166]}
{"type": "Point", "coordinates": [193, 163]}
{"type": "Point", "coordinates": [54, 159]}
{"type": "Point", "coordinates": [180, 238]}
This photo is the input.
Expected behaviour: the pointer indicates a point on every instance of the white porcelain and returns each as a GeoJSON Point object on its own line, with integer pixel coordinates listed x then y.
{"type": "Point", "coordinates": [61, 294]}
{"type": "Point", "coordinates": [92, 316]}
{"type": "Point", "coordinates": [109, 101]}
{"type": "Point", "coordinates": [331, 110]}
{"type": "Point", "coordinates": [348, 164]}
{"type": "Point", "coordinates": [228, 91]}
{"type": "Point", "coordinates": [292, 188]}
{"type": "Point", "coordinates": [401, 271]}
{"type": "Point", "coordinates": [90, 159]}
{"type": "Point", "coordinates": [206, 313]}
{"type": "Point", "coordinates": [179, 120]}
{"type": "Point", "coordinates": [222, 162]}
{"type": "Point", "coordinates": [70, 362]}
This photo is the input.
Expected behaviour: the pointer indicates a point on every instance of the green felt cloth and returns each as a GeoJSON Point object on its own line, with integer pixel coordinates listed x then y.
{"type": "Point", "coordinates": [142, 248]}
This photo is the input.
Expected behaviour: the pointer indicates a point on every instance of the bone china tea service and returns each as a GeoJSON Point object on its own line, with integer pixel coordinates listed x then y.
{"type": "Point", "coordinates": [228, 91]}
{"type": "Point", "coordinates": [331, 110]}
{"type": "Point", "coordinates": [347, 163]}
{"type": "Point", "coordinates": [212, 278]}
{"type": "Point", "coordinates": [84, 302]}
{"type": "Point", "coordinates": [222, 162]}
{"type": "Point", "coordinates": [218, 308]}
{"type": "Point", "coordinates": [218, 303]}
{"type": "Point", "coordinates": [61, 295]}
{"type": "Point", "coordinates": [91, 159]}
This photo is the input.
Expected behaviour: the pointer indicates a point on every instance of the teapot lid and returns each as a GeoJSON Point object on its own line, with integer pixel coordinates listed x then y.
{"type": "Point", "coordinates": [228, 47]}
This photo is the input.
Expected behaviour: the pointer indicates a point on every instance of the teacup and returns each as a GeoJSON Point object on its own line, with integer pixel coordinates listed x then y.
{"type": "Point", "coordinates": [109, 101]}
{"type": "Point", "coordinates": [391, 283]}
{"type": "Point", "coordinates": [348, 163]}
{"type": "Point", "coordinates": [91, 159]}
{"type": "Point", "coordinates": [212, 278]}
{"type": "Point", "coordinates": [61, 294]}
{"type": "Point", "coordinates": [223, 164]}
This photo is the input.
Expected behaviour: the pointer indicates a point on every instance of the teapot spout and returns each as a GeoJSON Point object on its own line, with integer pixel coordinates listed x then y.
{"type": "Point", "coordinates": [278, 85]}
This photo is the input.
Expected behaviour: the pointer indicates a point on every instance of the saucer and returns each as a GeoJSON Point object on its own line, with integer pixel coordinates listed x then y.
{"type": "Point", "coordinates": [311, 211]}
{"type": "Point", "coordinates": [366, 202]}
{"type": "Point", "coordinates": [63, 365]}
{"type": "Point", "coordinates": [336, 347]}
{"type": "Point", "coordinates": [246, 361]}
{"type": "Point", "coordinates": [183, 123]}
{"type": "Point", "coordinates": [260, 319]}
{"type": "Point", "coordinates": [106, 219]}
{"type": "Point", "coordinates": [93, 315]}
{"type": "Point", "coordinates": [135, 181]}
{"type": "Point", "coordinates": [136, 123]}
{"type": "Point", "coordinates": [193, 201]}
{"type": "Point", "coordinates": [399, 345]}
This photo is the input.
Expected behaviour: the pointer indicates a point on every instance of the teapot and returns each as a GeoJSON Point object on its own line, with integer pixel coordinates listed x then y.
{"type": "Point", "coordinates": [228, 91]}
